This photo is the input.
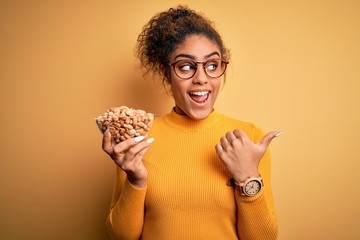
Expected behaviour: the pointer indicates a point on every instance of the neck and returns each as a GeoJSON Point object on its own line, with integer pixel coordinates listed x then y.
{"type": "Point", "coordinates": [179, 111]}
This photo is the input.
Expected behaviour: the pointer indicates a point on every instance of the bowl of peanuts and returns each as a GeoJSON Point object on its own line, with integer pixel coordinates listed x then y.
{"type": "Point", "coordinates": [124, 122]}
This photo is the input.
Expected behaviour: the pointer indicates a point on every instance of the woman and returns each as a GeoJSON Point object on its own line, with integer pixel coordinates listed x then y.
{"type": "Point", "coordinates": [206, 176]}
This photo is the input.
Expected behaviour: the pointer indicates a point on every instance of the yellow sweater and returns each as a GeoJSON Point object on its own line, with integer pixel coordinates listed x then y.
{"type": "Point", "coordinates": [187, 196]}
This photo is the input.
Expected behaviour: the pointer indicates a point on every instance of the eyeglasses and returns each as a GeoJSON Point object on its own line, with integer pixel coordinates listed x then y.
{"type": "Point", "coordinates": [186, 69]}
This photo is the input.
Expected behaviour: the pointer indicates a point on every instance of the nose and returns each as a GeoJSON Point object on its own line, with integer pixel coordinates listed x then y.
{"type": "Point", "coordinates": [200, 76]}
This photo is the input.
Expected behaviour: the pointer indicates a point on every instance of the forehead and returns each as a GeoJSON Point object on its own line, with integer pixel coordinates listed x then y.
{"type": "Point", "coordinates": [197, 46]}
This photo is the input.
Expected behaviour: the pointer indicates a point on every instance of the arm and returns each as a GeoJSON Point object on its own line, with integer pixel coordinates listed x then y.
{"type": "Point", "coordinates": [125, 219]}
{"type": "Point", "coordinates": [256, 217]}
{"type": "Point", "coordinates": [126, 215]}
{"type": "Point", "coordinates": [248, 157]}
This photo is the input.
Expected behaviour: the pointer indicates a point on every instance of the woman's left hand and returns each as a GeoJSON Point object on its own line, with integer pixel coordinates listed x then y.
{"type": "Point", "coordinates": [240, 155]}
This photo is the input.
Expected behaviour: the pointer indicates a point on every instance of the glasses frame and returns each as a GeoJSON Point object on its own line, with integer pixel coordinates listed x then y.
{"type": "Point", "coordinates": [196, 67]}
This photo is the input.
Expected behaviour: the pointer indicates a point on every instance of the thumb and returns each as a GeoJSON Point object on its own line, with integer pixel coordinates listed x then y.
{"type": "Point", "coordinates": [106, 142]}
{"type": "Point", "coordinates": [266, 140]}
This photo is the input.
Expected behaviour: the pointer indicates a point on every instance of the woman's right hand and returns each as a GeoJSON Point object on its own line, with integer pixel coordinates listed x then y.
{"type": "Point", "coordinates": [128, 156]}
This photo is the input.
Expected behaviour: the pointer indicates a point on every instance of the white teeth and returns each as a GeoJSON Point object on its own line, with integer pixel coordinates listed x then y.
{"type": "Point", "coordinates": [199, 93]}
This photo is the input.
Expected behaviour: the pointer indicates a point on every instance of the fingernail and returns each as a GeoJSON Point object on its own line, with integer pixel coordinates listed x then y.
{"type": "Point", "coordinates": [107, 132]}
{"type": "Point", "coordinates": [139, 138]}
{"type": "Point", "coordinates": [150, 140]}
{"type": "Point", "coordinates": [278, 134]}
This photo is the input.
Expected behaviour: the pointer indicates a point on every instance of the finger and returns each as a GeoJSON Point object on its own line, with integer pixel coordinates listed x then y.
{"type": "Point", "coordinates": [133, 151]}
{"type": "Point", "coordinates": [241, 135]}
{"type": "Point", "coordinates": [139, 156]}
{"type": "Point", "coordinates": [106, 142]}
{"type": "Point", "coordinates": [266, 140]}
{"type": "Point", "coordinates": [127, 157]}
{"type": "Point", "coordinates": [134, 155]}
{"type": "Point", "coordinates": [127, 144]}
{"type": "Point", "coordinates": [219, 149]}
{"type": "Point", "coordinates": [224, 142]}
{"type": "Point", "coordinates": [230, 136]}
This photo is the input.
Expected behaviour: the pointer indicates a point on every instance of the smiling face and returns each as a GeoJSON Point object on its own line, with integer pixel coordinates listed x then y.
{"type": "Point", "coordinates": [196, 96]}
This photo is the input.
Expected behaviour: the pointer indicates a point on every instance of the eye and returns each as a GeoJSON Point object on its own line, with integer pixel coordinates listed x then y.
{"type": "Point", "coordinates": [212, 65]}
{"type": "Point", "coordinates": [185, 66]}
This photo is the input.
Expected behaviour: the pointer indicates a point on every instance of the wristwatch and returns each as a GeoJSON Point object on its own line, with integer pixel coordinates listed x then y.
{"type": "Point", "coordinates": [251, 187]}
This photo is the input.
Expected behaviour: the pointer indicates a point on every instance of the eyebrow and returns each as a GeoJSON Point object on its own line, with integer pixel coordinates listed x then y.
{"type": "Point", "coordinates": [193, 57]}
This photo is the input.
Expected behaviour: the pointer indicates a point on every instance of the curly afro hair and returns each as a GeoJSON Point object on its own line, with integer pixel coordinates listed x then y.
{"type": "Point", "coordinates": [165, 31]}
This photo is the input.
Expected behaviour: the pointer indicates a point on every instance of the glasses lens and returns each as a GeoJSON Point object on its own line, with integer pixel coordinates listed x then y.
{"type": "Point", "coordinates": [214, 68]}
{"type": "Point", "coordinates": [185, 68]}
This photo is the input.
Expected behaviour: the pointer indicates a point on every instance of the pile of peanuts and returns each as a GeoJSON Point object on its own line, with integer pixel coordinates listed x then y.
{"type": "Point", "coordinates": [124, 122]}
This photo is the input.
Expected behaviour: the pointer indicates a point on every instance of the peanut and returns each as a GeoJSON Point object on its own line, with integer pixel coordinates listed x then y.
{"type": "Point", "coordinates": [124, 122]}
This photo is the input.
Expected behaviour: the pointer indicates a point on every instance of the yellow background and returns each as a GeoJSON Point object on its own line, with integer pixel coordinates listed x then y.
{"type": "Point", "coordinates": [295, 67]}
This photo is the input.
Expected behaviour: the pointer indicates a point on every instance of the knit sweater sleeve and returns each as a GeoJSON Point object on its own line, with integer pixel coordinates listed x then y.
{"type": "Point", "coordinates": [256, 217]}
{"type": "Point", "coordinates": [126, 215]}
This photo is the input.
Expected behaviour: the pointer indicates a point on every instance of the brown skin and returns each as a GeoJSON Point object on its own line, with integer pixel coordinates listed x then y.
{"type": "Point", "coordinates": [238, 153]}
{"type": "Point", "coordinates": [128, 156]}
{"type": "Point", "coordinates": [197, 48]}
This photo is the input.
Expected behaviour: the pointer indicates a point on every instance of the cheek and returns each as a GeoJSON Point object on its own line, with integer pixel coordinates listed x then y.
{"type": "Point", "coordinates": [175, 84]}
{"type": "Point", "coordinates": [216, 90]}
{"type": "Point", "coordinates": [176, 90]}
{"type": "Point", "coordinates": [217, 86]}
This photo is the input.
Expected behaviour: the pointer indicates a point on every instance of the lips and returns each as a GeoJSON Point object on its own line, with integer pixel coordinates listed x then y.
{"type": "Point", "coordinates": [199, 96]}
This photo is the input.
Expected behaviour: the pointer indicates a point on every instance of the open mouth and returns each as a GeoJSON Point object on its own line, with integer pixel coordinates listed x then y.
{"type": "Point", "coordinates": [200, 96]}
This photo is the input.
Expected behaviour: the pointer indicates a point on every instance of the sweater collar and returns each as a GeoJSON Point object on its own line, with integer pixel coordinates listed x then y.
{"type": "Point", "coordinates": [184, 122]}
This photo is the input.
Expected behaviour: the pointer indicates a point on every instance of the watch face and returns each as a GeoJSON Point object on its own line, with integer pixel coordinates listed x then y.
{"type": "Point", "coordinates": [252, 188]}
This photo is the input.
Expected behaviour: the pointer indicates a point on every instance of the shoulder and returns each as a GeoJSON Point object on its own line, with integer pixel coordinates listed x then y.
{"type": "Point", "coordinates": [159, 123]}
{"type": "Point", "coordinates": [160, 120]}
{"type": "Point", "coordinates": [252, 130]}
{"type": "Point", "coordinates": [245, 126]}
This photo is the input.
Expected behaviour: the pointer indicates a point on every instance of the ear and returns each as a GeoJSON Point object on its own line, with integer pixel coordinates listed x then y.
{"type": "Point", "coordinates": [166, 74]}
{"type": "Point", "coordinates": [166, 80]}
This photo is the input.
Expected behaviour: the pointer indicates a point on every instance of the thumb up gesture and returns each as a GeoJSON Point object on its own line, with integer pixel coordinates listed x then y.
{"type": "Point", "coordinates": [240, 155]}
